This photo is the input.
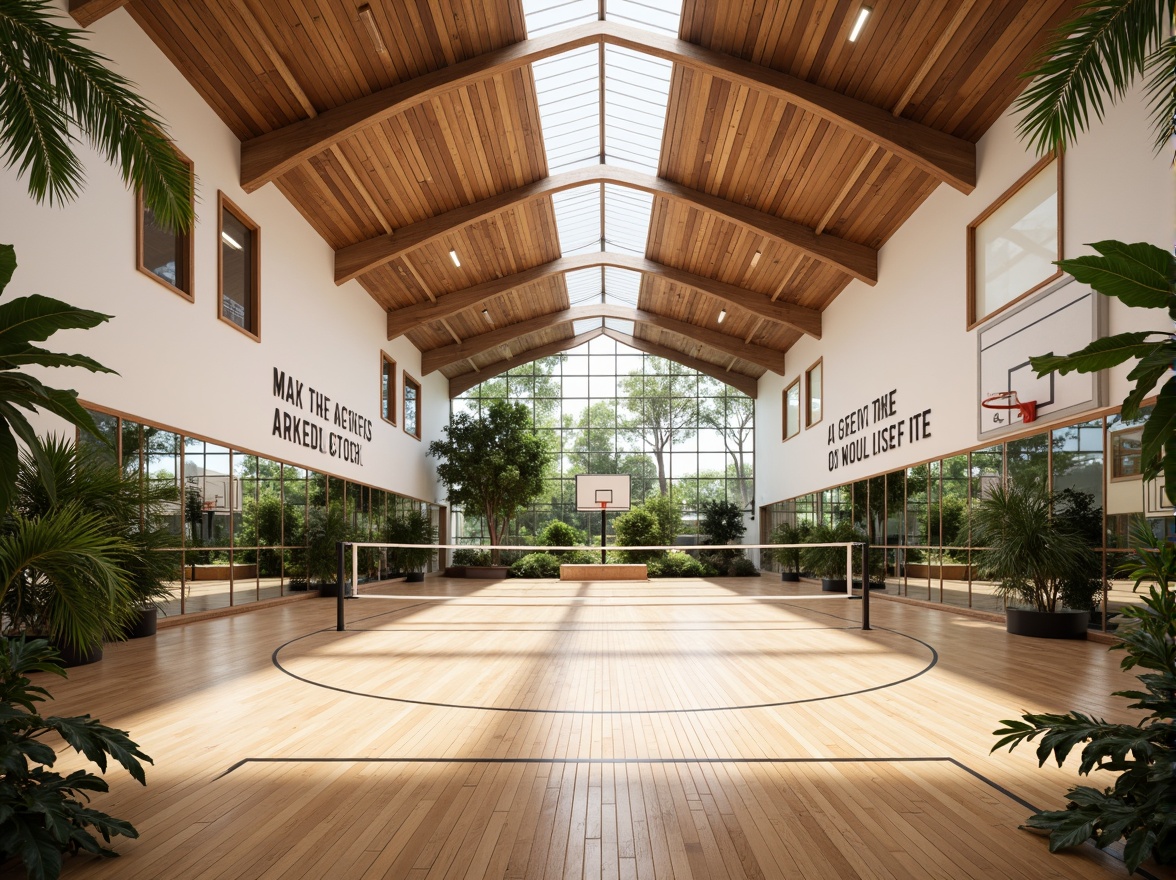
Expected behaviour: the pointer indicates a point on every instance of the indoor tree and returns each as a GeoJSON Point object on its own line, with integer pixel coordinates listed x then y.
{"type": "Point", "coordinates": [492, 464]}
{"type": "Point", "coordinates": [663, 407]}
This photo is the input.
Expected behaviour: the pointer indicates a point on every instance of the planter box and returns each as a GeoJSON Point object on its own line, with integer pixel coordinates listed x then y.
{"type": "Point", "coordinates": [833, 585]}
{"type": "Point", "coordinates": [487, 572]}
{"type": "Point", "coordinates": [1047, 624]}
{"type": "Point", "coordinates": [791, 577]}
{"type": "Point", "coordinates": [598, 572]}
{"type": "Point", "coordinates": [144, 625]}
{"type": "Point", "coordinates": [951, 571]}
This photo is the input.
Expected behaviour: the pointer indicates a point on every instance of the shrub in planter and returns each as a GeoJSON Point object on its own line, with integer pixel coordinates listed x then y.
{"type": "Point", "coordinates": [741, 566]}
{"type": "Point", "coordinates": [788, 558]}
{"type": "Point", "coordinates": [675, 564]}
{"type": "Point", "coordinates": [536, 565]}
{"type": "Point", "coordinates": [42, 813]}
{"type": "Point", "coordinates": [470, 556]}
{"type": "Point", "coordinates": [413, 527]}
{"type": "Point", "coordinates": [639, 527]}
{"type": "Point", "coordinates": [558, 533]}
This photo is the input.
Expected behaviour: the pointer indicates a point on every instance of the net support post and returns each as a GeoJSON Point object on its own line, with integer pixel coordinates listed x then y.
{"type": "Point", "coordinates": [866, 584]}
{"type": "Point", "coordinates": [849, 570]}
{"type": "Point", "coordinates": [340, 551]}
{"type": "Point", "coordinates": [603, 529]}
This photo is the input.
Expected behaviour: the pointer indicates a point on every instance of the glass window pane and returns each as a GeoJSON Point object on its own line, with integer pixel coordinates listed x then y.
{"type": "Point", "coordinates": [238, 254]}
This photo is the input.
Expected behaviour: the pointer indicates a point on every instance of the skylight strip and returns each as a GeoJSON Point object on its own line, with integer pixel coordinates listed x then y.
{"type": "Point", "coordinates": [662, 16]}
{"type": "Point", "coordinates": [543, 16]}
{"type": "Point", "coordinates": [621, 286]}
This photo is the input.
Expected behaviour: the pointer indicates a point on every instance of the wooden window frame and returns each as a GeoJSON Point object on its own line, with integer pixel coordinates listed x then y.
{"type": "Point", "coordinates": [189, 245]}
{"type": "Point", "coordinates": [808, 394]}
{"type": "Point", "coordinates": [795, 383]}
{"type": "Point", "coordinates": [391, 408]}
{"type": "Point", "coordinates": [404, 398]}
{"type": "Point", "coordinates": [224, 203]}
{"type": "Point", "coordinates": [1110, 453]}
{"type": "Point", "coordinates": [973, 319]}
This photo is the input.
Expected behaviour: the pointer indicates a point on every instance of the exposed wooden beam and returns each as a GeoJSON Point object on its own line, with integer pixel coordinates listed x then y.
{"type": "Point", "coordinates": [403, 320]}
{"type": "Point", "coordinates": [739, 381]}
{"type": "Point", "coordinates": [439, 358]}
{"type": "Point", "coordinates": [945, 157]}
{"type": "Point", "coordinates": [86, 12]}
{"type": "Point", "coordinates": [466, 381]}
{"type": "Point", "coordinates": [857, 260]}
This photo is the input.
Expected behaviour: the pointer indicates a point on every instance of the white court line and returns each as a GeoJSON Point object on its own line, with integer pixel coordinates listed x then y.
{"type": "Point", "coordinates": [548, 599]}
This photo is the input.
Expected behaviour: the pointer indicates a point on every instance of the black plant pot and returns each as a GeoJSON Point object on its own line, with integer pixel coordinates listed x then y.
{"type": "Point", "coordinates": [145, 624]}
{"type": "Point", "coordinates": [1047, 624]}
{"type": "Point", "coordinates": [791, 577]}
{"type": "Point", "coordinates": [874, 585]}
{"type": "Point", "coordinates": [71, 656]}
{"type": "Point", "coordinates": [833, 585]}
{"type": "Point", "coordinates": [414, 577]}
{"type": "Point", "coordinates": [329, 589]}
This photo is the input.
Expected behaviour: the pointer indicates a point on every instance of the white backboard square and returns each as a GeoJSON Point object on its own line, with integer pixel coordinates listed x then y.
{"type": "Point", "coordinates": [592, 489]}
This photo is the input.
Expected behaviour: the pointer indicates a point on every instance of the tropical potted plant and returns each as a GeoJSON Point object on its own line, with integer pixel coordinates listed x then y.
{"type": "Point", "coordinates": [413, 527]}
{"type": "Point", "coordinates": [1039, 558]}
{"type": "Point", "coordinates": [1140, 806]}
{"type": "Point", "coordinates": [828, 563]}
{"type": "Point", "coordinates": [788, 558]}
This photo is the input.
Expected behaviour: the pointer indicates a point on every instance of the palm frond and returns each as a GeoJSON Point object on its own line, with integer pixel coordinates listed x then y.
{"type": "Point", "coordinates": [49, 80]}
{"type": "Point", "coordinates": [1161, 92]}
{"type": "Point", "coordinates": [1094, 56]}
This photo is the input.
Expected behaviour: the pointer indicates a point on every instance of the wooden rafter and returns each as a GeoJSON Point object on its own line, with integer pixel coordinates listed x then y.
{"type": "Point", "coordinates": [466, 381]}
{"type": "Point", "coordinates": [86, 12]}
{"type": "Point", "coordinates": [439, 358]}
{"type": "Point", "coordinates": [404, 320]}
{"type": "Point", "coordinates": [857, 260]}
{"type": "Point", "coordinates": [749, 385]}
{"type": "Point", "coordinates": [945, 157]}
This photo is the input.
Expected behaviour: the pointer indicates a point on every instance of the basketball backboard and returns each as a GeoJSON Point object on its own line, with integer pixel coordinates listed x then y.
{"type": "Point", "coordinates": [1063, 318]}
{"type": "Point", "coordinates": [592, 489]}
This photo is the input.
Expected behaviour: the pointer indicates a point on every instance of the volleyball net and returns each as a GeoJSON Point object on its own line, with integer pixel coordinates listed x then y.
{"type": "Point", "coordinates": [348, 562]}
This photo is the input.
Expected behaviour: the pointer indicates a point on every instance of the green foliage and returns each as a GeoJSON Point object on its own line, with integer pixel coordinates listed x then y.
{"type": "Point", "coordinates": [1077, 509]}
{"type": "Point", "coordinates": [536, 565]}
{"type": "Point", "coordinates": [638, 527]}
{"type": "Point", "coordinates": [42, 813]}
{"type": "Point", "coordinates": [413, 527]}
{"type": "Point", "coordinates": [50, 84]}
{"type": "Point", "coordinates": [80, 551]}
{"type": "Point", "coordinates": [677, 565]}
{"type": "Point", "coordinates": [492, 465]}
{"type": "Point", "coordinates": [722, 522]}
{"type": "Point", "coordinates": [741, 566]}
{"type": "Point", "coordinates": [1141, 805]}
{"type": "Point", "coordinates": [668, 513]}
{"type": "Point", "coordinates": [1030, 552]}
{"type": "Point", "coordinates": [829, 562]}
{"type": "Point", "coordinates": [470, 556]}
{"type": "Point", "coordinates": [558, 533]}
{"type": "Point", "coordinates": [952, 518]}
{"type": "Point", "coordinates": [24, 321]}
{"type": "Point", "coordinates": [663, 407]}
{"type": "Point", "coordinates": [325, 528]}
{"type": "Point", "coordinates": [1099, 52]}
{"type": "Point", "coordinates": [788, 558]}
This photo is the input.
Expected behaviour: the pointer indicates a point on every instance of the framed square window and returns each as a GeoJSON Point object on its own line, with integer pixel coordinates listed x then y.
{"type": "Point", "coordinates": [162, 254]}
{"type": "Point", "coordinates": [412, 406]}
{"type": "Point", "coordinates": [239, 268]}
{"type": "Point", "coordinates": [1126, 454]}
{"type": "Point", "coordinates": [1012, 246]}
{"type": "Point", "coordinates": [387, 389]}
{"type": "Point", "coordinates": [792, 409]}
{"type": "Point", "coordinates": [813, 378]}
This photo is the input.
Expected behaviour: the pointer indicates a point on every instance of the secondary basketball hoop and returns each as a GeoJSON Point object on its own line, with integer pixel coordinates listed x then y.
{"type": "Point", "coordinates": [1009, 400]}
{"type": "Point", "coordinates": [603, 491]}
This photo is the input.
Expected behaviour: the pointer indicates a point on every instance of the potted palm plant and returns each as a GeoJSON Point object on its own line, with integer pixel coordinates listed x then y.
{"type": "Point", "coordinates": [1039, 558]}
{"type": "Point", "coordinates": [788, 558]}
{"type": "Point", "coordinates": [413, 527]}
{"type": "Point", "coordinates": [828, 563]}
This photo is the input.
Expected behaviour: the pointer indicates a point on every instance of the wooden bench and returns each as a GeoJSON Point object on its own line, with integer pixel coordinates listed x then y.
{"type": "Point", "coordinates": [598, 572]}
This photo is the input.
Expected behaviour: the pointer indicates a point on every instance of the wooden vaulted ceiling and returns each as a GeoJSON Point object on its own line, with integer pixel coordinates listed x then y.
{"type": "Point", "coordinates": [781, 138]}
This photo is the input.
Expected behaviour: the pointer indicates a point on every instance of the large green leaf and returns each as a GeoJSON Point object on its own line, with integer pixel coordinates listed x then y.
{"type": "Point", "coordinates": [1161, 424]}
{"type": "Point", "coordinates": [7, 265]}
{"type": "Point", "coordinates": [35, 318]}
{"type": "Point", "coordinates": [1139, 274]}
{"type": "Point", "coordinates": [41, 357]}
{"type": "Point", "coordinates": [1145, 374]}
{"type": "Point", "coordinates": [1101, 354]}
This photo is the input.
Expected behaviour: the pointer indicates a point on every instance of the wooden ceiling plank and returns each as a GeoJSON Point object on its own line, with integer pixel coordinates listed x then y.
{"type": "Point", "coordinates": [739, 381]}
{"type": "Point", "coordinates": [439, 358]}
{"type": "Point", "coordinates": [944, 156]}
{"type": "Point", "coordinates": [86, 12]}
{"type": "Point", "coordinates": [404, 320]}
{"type": "Point", "coordinates": [854, 259]}
{"type": "Point", "coordinates": [466, 381]}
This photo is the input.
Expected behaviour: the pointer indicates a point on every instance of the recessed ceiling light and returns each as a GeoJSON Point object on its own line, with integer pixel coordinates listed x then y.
{"type": "Point", "coordinates": [863, 14]}
{"type": "Point", "coordinates": [755, 259]}
{"type": "Point", "coordinates": [722, 316]}
{"type": "Point", "coordinates": [456, 261]}
{"type": "Point", "coordinates": [230, 241]}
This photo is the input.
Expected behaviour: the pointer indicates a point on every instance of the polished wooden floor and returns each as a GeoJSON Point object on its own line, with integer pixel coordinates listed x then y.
{"type": "Point", "coordinates": [690, 729]}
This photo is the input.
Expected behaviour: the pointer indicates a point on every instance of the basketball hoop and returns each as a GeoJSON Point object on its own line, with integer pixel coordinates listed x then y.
{"type": "Point", "coordinates": [208, 505]}
{"type": "Point", "coordinates": [1027, 409]}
